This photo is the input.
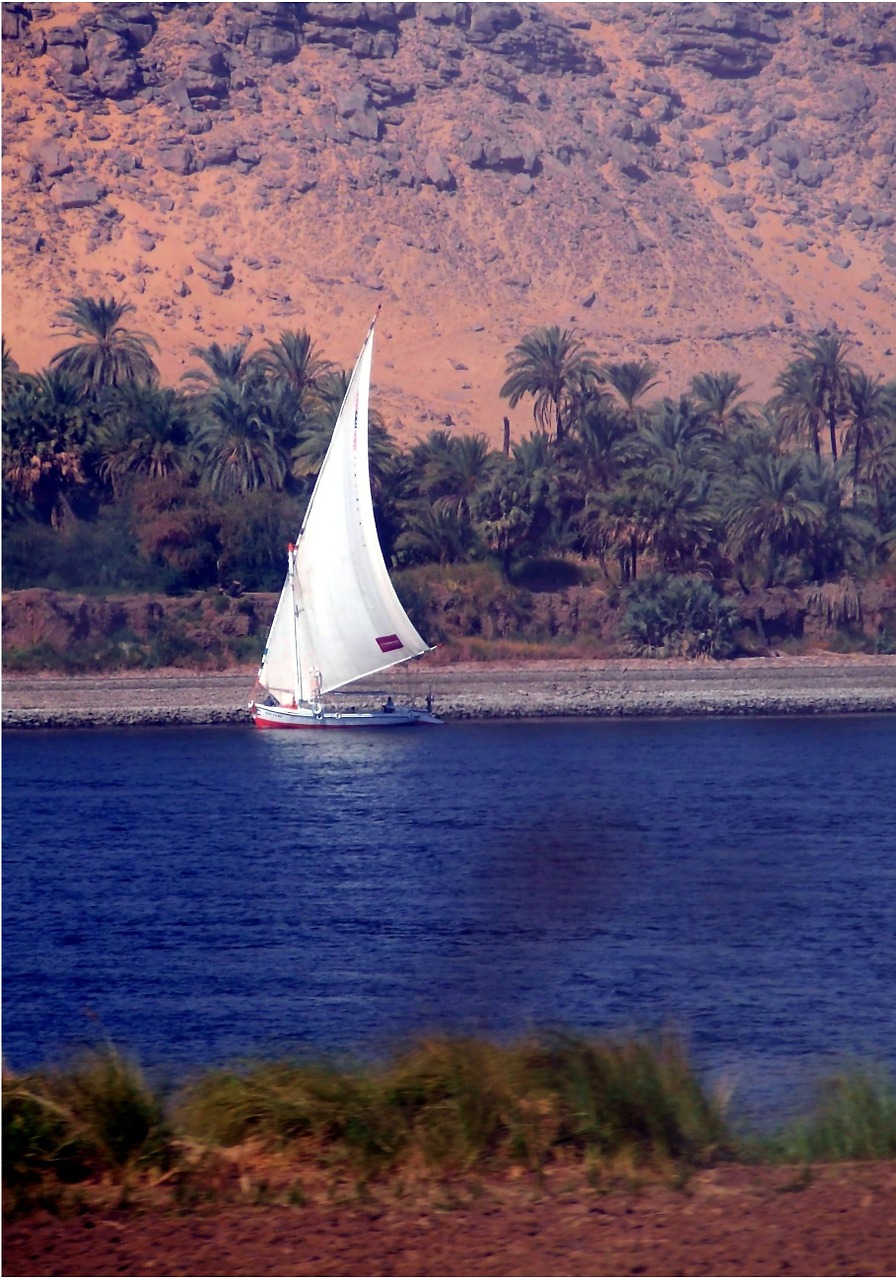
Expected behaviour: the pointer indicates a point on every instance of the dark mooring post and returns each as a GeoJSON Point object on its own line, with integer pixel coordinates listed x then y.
{"type": "Point", "coordinates": [506, 437]}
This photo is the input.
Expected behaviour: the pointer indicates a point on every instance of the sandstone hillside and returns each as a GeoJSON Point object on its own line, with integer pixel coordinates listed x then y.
{"type": "Point", "coordinates": [700, 185]}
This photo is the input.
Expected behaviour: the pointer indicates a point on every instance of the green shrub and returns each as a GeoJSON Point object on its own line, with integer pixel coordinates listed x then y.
{"type": "Point", "coordinates": [547, 574]}
{"type": "Point", "coordinates": [95, 555]}
{"type": "Point", "coordinates": [678, 617]}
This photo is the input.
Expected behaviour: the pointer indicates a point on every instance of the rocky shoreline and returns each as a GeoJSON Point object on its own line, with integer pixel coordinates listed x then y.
{"type": "Point", "coordinates": [822, 684]}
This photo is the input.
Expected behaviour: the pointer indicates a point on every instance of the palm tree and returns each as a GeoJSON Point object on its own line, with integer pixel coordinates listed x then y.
{"type": "Point", "coordinates": [454, 474]}
{"type": "Point", "coordinates": [716, 396]}
{"type": "Point", "coordinates": [108, 354]}
{"type": "Point", "coordinates": [798, 407]}
{"type": "Point", "coordinates": [47, 440]}
{"type": "Point", "coordinates": [235, 444]}
{"type": "Point", "coordinates": [431, 535]}
{"type": "Point", "coordinates": [675, 434]}
{"type": "Point", "coordinates": [12, 375]}
{"type": "Point", "coordinates": [511, 509]}
{"type": "Point", "coordinates": [534, 453]}
{"type": "Point", "coordinates": [767, 512]}
{"type": "Point", "coordinates": [842, 537]}
{"type": "Point", "coordinates": [879, 467]}
{"type": "Point", "coordinates": [620, 524]}
{"type": "Point", "coordinates": [602, 446]}
{"type": "Point", "coordinates": [631, 380]}
{"type": "Point", "coordinates": [149, 432]}
{"type": "Point", "coordinates": [830, 372]}
{"type": "Point", "coordinates": [552, 366]}
{"type": "Point", "coordinates": [222, 364]}
{"type": "Point", "coordinates": [677, 514]}
{"type": "Point", "coordinates": [292, 360]}
{"type": "Point", "coordinates": [872, 417]}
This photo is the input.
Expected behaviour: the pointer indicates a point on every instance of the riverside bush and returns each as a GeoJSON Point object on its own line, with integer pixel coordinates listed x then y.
{"type": "Point", "coordinates": [678, 617]}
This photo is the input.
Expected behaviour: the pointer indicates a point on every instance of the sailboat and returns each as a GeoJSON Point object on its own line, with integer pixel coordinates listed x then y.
{"type": "Point", "coordinates": [338, 618]}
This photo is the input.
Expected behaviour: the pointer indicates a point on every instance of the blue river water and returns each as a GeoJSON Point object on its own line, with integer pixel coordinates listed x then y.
{"type": "Point", "coordinates": [202, 895]}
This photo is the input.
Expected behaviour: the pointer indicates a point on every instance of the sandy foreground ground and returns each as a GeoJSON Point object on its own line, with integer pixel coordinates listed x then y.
{"type": "Point", "coordinates": [819, 684]}
{"type": "Point", "coordinates": [727, 1221]}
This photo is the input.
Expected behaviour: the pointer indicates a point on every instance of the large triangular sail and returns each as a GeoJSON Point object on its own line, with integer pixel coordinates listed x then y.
{"type": "Point", "coordinates": [338, 617]}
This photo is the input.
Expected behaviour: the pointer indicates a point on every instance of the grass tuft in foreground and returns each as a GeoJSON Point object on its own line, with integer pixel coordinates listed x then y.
{"type": "Point", "coordinates": [854, 1119]}
{"type": "Point", "coordinates": [96, 1116]}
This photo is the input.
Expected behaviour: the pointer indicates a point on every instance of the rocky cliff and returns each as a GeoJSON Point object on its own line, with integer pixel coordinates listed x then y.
{"type": "Point", "coordinates": [699, 185]}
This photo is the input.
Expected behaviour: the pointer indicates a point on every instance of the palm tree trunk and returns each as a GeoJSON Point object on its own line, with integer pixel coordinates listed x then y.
{"type": "Point", "coordinates": [813, 431]}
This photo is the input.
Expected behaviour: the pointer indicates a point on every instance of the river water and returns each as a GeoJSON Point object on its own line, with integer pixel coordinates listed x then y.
{"type": "Point", "coordinates": [200, 895]}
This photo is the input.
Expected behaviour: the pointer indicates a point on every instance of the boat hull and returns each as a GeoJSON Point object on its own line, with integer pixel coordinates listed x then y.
{"type": "Point", "coordinates": [306, 718]}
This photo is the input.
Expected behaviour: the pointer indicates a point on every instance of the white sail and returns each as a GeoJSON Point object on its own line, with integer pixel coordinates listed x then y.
{"type": "Point", "coordinates": [339, 618]}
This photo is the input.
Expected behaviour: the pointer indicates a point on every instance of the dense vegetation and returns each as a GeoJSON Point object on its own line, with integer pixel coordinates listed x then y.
{"type": "Point", "coordinates": [114, 481]}
{"type": "Point", "coordinates": [444, 1107]}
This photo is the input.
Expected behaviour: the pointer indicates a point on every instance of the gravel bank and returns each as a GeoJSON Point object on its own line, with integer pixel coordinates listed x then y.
{"type": "Point", "coordinates": [817, 685]}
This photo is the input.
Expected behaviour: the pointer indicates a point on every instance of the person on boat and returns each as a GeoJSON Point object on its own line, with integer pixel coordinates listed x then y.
{"type": "Point", "coordinates": [389, 705]}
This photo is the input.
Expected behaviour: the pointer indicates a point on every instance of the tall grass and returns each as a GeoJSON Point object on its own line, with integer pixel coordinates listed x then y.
{"type": "Point", "coordinates": [854, 1119]}
{"type": "Point", "coordinates": [444, 1106]}
{"type": "Point", "coordinates": [93, 1117]}
{"type": "Point", "coordinates": [456, 1103]}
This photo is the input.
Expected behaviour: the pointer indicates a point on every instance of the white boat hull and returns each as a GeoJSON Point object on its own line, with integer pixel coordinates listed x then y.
{"type": "Point", "coordinates": [307, 718]}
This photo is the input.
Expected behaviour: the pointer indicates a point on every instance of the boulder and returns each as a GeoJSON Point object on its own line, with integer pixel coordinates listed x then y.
{"type": "Point", "coordinates": [487, 20]}
{"type": "Point", "coordinates": [437, 172]}
{"type": "Point", "coordinates": [71, 58]}
{"type": "Point", "coordinates": [217, 262]}
{"type": "Point", "coordinates": [77, 194]}
{"type": "Point", "coordinates": [207, 74]}
{"type": "Point", "coordinates": [714, 152]}
{"type": "Point", "coordinates": [217, 151]}
{"type": "Point", "coordinates": [134, 23]}
{"type": "Point", "coordinates": [808, 173]}
{"type": "Point", "coordinates": [180, 159]}
{"type": "Point", "coordinates": [503, 154]}
{"type": "Point", "coordinates": [66, 34]}
{"type": "Point", "coordinates": [788, 150]}
{"type": "Point", "coordinates": [355, 108]}
{"type": "Point", "coordinates": [112, 65]}
{"type": "Point", "coordinates": [50, 158]}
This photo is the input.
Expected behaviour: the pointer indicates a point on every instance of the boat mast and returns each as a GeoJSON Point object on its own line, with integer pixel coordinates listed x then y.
{"type": "Point", "coordinates": [290, 559]}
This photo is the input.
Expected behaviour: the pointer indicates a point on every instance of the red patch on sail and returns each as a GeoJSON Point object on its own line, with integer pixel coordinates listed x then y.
{"type": "Point", "coordinates": [388, 643]}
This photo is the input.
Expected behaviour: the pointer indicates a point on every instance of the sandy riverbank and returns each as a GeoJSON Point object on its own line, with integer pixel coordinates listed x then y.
{"type": "Point", "coordinates": [821, 684]}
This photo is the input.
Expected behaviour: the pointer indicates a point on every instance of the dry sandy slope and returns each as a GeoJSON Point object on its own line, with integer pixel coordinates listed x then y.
{"type": "Point", "coordinates": [649, 266]}
{"type": "Point", "coordinates": [730, 1221]}
{"type": "Point", "coordinates": [820, 684]}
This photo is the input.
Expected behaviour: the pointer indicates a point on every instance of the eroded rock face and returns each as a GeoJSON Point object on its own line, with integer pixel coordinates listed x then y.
{"type": "Point", "coordinates": [733, 40]}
